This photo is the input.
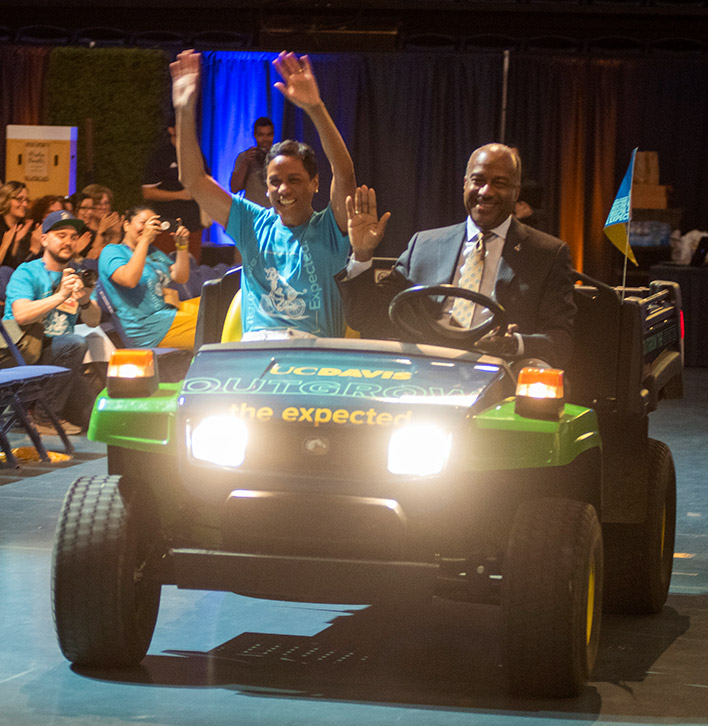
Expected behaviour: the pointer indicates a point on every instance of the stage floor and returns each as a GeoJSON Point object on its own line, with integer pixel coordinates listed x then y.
{"type": "Point", "coordinates": [219, 658]}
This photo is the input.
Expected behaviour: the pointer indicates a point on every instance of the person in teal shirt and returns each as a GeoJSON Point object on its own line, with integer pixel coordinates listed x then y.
{"type": "Point", "coordinates": [49, 291]}
{"type": "Point", "coordinates": [290, 252]}
{"type": "Point", "coordinates": [136, 276]}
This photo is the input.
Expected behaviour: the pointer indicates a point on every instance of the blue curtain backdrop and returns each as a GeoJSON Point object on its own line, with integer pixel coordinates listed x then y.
{"type": "Point", "coordinates": [237, 88]}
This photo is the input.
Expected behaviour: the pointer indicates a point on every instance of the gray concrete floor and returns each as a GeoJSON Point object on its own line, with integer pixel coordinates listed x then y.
{"type": "Point", "coordinates": [221, 658]}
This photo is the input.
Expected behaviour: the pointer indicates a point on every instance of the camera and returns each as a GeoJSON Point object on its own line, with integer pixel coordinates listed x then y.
{"type": "Point", "coordinates": [168, 225]}
{"type": "Point", "coordinates": [88, 277]}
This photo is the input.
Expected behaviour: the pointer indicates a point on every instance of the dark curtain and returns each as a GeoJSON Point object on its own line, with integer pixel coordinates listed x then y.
{"type": "Point", "coordinates": [410, 122]}
{"type": "Point", "coordinates": [662, 105]}
{"type": "Point", "coordinates": [22, 73]}
{"type": "Point", "coordinates": [576, 121]}
{"type": "Point", "coordinates": [562, 111]}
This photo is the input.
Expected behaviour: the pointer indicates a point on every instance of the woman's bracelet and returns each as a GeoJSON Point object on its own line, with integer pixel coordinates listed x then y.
{"type": "Point", "coordinates": [179, 248]}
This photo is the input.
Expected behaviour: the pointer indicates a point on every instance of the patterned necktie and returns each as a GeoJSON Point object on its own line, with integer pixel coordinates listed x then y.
{"type": "Point", "coordinates": [470, 279]}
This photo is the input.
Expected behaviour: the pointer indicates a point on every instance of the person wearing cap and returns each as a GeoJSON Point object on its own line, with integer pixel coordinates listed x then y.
{"type": "Point", "coordinates": [49, 290]}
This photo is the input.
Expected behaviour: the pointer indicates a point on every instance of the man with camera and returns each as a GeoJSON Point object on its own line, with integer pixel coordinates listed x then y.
{"type": "Point", "coordinates": [248, 174]}
{"type": "Point", "coordinates": [49, 292]}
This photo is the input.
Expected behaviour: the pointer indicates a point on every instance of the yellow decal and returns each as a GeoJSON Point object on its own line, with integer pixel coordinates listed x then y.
{"type": "Point", "coordinates": [318, 416]}
{"type": "Point", "coordinates": [340, 373]}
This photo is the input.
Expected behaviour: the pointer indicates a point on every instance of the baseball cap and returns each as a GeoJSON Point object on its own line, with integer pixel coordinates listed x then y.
{"type": "Point", "coordinates": [62, 218]}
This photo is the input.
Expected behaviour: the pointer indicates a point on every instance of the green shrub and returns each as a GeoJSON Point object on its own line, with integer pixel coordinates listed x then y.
{"type": "Point", "coordinates": [122, 91]}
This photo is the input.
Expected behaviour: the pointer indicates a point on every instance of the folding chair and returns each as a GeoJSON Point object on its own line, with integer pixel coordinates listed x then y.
{"type": "Point", "coordinates": [174, 362]}
{"type": "Point", "coordinates": [21, 387]}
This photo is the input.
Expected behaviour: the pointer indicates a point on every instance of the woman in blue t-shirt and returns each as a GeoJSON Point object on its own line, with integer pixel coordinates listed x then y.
{"type": "Point", "coordinates": [136, 276]}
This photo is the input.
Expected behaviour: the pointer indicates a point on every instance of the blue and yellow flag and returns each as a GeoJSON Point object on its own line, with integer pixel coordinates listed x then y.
{"type": "Point", "coordinates": [617, 224]}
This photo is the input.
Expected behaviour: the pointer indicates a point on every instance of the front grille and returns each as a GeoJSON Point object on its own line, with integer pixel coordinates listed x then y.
{"type": "Point", "coordinates": [330, 526]}
{"type": "Point", "coordinates": [340, 451]}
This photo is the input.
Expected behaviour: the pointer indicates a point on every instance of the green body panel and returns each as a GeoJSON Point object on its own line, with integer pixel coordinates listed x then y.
{"type": "Point", "coordinates": [145, 424]}
{"type": "Point", "coordinates": [496, 439]}
{"type": "Point", "coordinates": [505, 440]}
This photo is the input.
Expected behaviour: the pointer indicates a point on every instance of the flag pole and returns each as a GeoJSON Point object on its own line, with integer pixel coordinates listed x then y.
{"type": "Point", "coordinates": [629, 224]}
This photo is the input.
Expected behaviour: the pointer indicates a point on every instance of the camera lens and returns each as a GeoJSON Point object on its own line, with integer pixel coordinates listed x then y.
{"type": "Point", "coordinates": [88, 277]}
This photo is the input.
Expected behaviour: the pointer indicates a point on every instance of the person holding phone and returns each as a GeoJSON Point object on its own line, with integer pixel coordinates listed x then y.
{"type": "Point", "coordinates": [136, 275]}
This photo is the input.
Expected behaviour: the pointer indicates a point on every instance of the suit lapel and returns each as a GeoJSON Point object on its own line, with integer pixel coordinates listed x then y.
{"type": "Point", "coordinates": [512, 253]}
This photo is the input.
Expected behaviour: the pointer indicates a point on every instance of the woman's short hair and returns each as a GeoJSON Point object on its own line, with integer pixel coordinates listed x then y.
{"type": "Point", "coordinates": [296, 149]}
{"type": "Point", "coordinates": [96, 192]}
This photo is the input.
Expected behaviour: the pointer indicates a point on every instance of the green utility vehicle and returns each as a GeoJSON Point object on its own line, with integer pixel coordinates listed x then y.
{"type": "Point", "coordinates": [361, 471]}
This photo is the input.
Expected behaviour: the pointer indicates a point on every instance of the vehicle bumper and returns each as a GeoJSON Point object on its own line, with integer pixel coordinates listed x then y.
{"type": "Point", "coordinates": [304, 578]}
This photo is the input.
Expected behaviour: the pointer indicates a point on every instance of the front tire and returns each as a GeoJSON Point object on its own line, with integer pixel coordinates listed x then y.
{"type": "Point", "coordinates": [639, 557]}
{"type": "Point", "coordinates": [104, 601]}
{"type": "Point", "coordinates": [551, 595]}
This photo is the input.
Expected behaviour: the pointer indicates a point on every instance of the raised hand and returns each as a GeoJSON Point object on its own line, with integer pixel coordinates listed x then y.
{"type": "Point", "coordinates": [365, 229]}
{"type": "Point", "coordinates": [35, 239]}
{"type": "Point", "coordinates": [300, 86]}
{"type": "Point", "coordinates": [181, 236]}
{"type": "Point", "coordinates": [150, 230]}
{"type": "Point", "coordinates": [109, 227]}
{"type": "Point", "coordinates": [185, 73]}
{"type": "Point", "coordinates": [82, 243]}
{"type": "Point", "coordinates": [15, 233]}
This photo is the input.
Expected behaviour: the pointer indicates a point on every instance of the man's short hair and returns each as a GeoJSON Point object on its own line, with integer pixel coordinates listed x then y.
{"type": "Point", "coordinates": [262, 121]}
{"type": "Point", "coordinates": [296, 149]}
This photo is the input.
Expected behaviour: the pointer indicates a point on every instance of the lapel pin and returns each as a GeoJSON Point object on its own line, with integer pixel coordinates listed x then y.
{"type": "Point", "coordinates": [517, 247]}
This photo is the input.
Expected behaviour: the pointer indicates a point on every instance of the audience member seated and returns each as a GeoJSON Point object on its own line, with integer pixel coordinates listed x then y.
{"type": "Point", "coordinates": [103, 223]}
{"type": "Point", "coordinates": [43, 206]}
{"type": "Point", "coordinates": [48, 291]}
{"type": "Point", "coordinates": [136, 277]}
{"type": "Point", "coordinates": [15, 226]}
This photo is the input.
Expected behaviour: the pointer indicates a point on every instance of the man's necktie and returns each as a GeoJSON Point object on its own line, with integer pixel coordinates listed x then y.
{"type": "Point", "coordinates": [470, 279]}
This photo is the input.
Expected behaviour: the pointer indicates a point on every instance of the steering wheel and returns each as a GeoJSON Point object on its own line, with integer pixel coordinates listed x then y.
{"type": "Point", "coordinates": [409, 305]}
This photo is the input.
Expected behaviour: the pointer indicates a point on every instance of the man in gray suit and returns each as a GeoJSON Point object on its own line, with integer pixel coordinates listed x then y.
{"type": "Point", "coordinates": [526, 271]}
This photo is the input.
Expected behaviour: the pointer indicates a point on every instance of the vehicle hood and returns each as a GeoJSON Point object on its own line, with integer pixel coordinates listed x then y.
{"type": "Point", "coordinates": [274, 380]}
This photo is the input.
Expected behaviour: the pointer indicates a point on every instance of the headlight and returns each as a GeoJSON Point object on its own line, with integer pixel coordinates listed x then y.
{"type": "Point", "coordinates": [419, 449]}
{"type": "Point", "coordinates": [219, 440]}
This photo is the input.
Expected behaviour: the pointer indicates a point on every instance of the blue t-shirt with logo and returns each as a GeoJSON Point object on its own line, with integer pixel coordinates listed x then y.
{"type": "Point", "coordinates": [33, 281]}
{"type": "Point", "coordinates": [288, 272]}
{"type": "Point", "coordinates": [142, 309]}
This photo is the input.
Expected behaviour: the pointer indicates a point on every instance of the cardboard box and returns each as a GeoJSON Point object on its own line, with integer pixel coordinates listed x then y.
{"type": "Point", "coordinates": [650, 196]}
{"type": "Point", "coordinates": [43, 157]}
{"type": "Point", "coordinates": [646, 167]}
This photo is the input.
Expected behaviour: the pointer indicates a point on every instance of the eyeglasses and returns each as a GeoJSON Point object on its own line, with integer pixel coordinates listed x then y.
{"type": "Point", "coordinates": [22, 200]}
{"type": "Point", "coordinates": [82, 208]}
